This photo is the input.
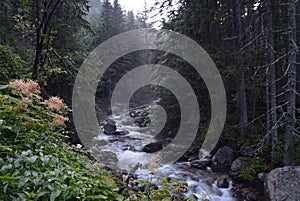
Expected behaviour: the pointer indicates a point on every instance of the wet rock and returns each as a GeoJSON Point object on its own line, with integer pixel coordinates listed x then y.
{"type": "Point", "coordinates": [140, 117]}
{"type": "Point", "coordinates": [109, 128]}
{"type": "Point", "coordinates": [120, 133]}
{"type": "Point", "coordinates": [222, 160]}
{"type": "Point", "coordinates": [201, 164]}
{"type": "Point", "coordinates": [190, 155]}
{"type": "Point", "coordinates": [153, 147]}
{"type": "Point", "coordinates": [102, 142]}
{"type": "Point", "coordinates": [240, 164]}
{"type": "Point", "coordinates": [109, 157]}
{"type": "Point", "coordinates": [140, 121]}
{"type": "Point", "coordinates": [262, 177]}
{"type": "Point", "coordinates": [283, 184]}
{"type": "Point", "coordinates": [223, 182]}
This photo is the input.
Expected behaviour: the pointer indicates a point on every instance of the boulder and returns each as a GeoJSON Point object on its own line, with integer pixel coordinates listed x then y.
{"type": "Point", "coordinates": [222, 160]}
{"type": "Point", "coordinates": [109, 157]}
{"type": "Point", "coordinates": [190, 155]}
{"type": "Point", "coordinates": [283, 184]}
{"type": "Point", "coordinates": [262, 176]}
{"type": "Point", "coordinates": [140, 122]}
{"type": "Point", "coordinates": [109, 128]}
{"type": "Point", "coordinates": [153, 147]}
{"type": "Point", "coordinates": [102, 142]}
{"type": "Point", "coordinates": [140, 117]}
{"type": "Point", "coordinates": [223, 182]}
{"type": "Point", "coordinates": [240, 164]}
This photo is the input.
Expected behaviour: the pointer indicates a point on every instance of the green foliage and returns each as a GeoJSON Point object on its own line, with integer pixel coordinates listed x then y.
{"type": "Point", "coordinates": [36, 163]}
{"type": "Point", "coordinates": [250, 173]}
{"type": "Point", "coordinates": [145, 116]}
{"type": "Point", "coordinates": [11, 65]}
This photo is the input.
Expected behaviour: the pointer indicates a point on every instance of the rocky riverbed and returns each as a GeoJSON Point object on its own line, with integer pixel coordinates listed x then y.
{"type": "Point", "coordinates": [130, 147]}
{"type": "Point", "coordinates": [123, 145]}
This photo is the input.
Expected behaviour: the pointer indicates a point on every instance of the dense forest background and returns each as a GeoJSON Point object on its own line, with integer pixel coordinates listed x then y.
{"type": "Point", "coordinates": [254, 44]}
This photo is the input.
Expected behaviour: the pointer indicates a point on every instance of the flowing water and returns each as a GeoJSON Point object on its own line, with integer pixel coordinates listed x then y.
{"type": "Point", "coordinates": [127, 150]}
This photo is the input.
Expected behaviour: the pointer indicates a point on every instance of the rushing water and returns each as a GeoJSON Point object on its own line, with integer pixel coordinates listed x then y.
{"type": "Point", "coordinates": [127, 149]}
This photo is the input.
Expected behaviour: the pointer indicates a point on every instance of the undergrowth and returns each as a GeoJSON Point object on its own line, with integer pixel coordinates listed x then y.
{"type": "Point", "coordinates": [35, 161]}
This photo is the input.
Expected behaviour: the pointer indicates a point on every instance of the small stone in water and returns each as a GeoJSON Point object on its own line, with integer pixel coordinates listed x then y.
{"type": "Point", "coordinates": [223, 183]}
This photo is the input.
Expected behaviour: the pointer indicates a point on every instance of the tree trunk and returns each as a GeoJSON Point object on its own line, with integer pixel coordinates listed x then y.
{"type": "Point", "coordinates": [268, 119]}
{"type": "Point", "coordinates": [291, 108]}
{"type": "Point", "coordinates": [242, 91]}
{"type": "Point", "coordinates": [272, 68]}
{"type": "Point", "coordinates": [38, 45]}
{"type": "Point", "coordinates": [44, 13]}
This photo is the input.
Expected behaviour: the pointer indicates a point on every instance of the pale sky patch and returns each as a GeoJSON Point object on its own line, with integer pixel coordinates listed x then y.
{"type": "Point", "coordinates": [135, 5]}
{"type": "Point", "coordinates": [138, 6]}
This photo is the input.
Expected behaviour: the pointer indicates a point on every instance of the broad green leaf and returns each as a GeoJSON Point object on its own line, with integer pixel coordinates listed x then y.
{"type": "Point", "coordinates": [3, 86]}
{"type": "Point", "coordinates": [54, 194]}
{"type": "Point", "coordinates": [32, 159]}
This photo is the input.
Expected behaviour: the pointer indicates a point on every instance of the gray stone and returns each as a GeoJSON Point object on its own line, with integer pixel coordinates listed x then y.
{"type": "Point", "coordinates": [283, 184]}
{"type": "Point", "coordinates": [262, 176]}
{"type": "Point", "coordinates": [223, 182]}
{"type": "Point", "coordinates": [153, 147]}
{"type": "Point", "coordinates": [222, 160]}
{"type": "Point", "coordinates": [120, 133]}
{"type": "Point", "coordinates": [109, 157]}
{"type": "Point", "coordinates": [240, 164]}
{"type": "Point", "coordinates": [109, 128]}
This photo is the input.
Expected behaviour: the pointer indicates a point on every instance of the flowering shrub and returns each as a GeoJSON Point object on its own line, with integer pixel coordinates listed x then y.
{"type": "Point", "coordinates": [60, 120]}
{"type": "Point", "coordinates": [35, 161]}
{"type": "Point", "coordinates": [56, 104]}
{"type": "Point", "coordinates": [28, 88]}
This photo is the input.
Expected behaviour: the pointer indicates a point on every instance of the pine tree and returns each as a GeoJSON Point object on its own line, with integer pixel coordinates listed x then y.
{"type": "Point", "coordinates": [118, 20]}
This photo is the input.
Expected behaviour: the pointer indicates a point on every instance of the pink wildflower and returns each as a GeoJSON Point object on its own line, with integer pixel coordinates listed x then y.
{"type": "Point", "coordinates": [60, 120]}
{"type": "Point", "coordinates": [56, 104]}
{"type": "Point", "coordinates": [28, 88]}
